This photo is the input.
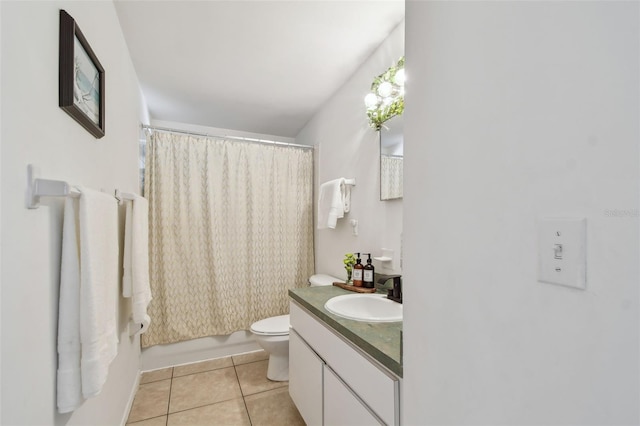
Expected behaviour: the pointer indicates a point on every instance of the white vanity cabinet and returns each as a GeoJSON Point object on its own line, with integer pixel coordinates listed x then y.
{"type": "Point", "coordinates": [305, 379]}
{"type": "Point", "coordinates": [332, 382]}
{"type": "Point", "coordinates": [341, 406]}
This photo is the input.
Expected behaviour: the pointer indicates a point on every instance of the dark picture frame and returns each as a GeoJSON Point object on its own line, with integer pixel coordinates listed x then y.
{"type": "Point", "coordinates": [81, 78]}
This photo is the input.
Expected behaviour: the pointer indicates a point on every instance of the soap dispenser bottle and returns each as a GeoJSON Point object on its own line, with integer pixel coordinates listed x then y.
{"type": "Point", "coordinates": [368, 272]}
{"type": "Point", "coordinates": [357, 272]}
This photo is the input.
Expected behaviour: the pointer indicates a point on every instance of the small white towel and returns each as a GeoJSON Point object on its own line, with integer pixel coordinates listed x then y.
{"type": "Point", "coordinates": [127, 274]}
{"type": "Point", "coordinates": [333, 203]}
{"type": "Point", "coordinates": [99, 287]}
{"type": "Point", "coordinates": [139, 327]}
{"type": "Point", "coordinates": [135, 279]}
{"type": "Point", "coordinates": [69, 385]}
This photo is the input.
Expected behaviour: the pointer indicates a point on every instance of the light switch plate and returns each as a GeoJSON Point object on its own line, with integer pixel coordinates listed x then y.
{"type": "Point", "coordinates": [562, 251]}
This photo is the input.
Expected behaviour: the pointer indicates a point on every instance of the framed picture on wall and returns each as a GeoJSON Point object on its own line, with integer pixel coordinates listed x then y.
{"type": "Point", "coordinates": [81, 78]}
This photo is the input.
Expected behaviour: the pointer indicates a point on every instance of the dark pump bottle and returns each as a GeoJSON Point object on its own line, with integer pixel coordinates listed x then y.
{"type": "Point", "coordinates": [357, 272]}
{"type": "Point", "coordinates": [368, 272]}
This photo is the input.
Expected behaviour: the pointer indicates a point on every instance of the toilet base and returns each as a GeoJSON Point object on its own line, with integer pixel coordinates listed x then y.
{"type": "Point", "coordinates": [278, 370]}
{"type": "Point", "coordinates": [278, 349]}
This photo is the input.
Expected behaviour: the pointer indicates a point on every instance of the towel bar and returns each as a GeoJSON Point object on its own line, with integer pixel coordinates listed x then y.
{"type": "Point", "coordinates": [37, 188]}
{"type": "Point", "coordinates": [122, 196]}
{"type": "Point", "coordinates": [45, 188]}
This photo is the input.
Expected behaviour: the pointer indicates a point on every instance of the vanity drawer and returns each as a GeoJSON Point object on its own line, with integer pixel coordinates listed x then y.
{"type": "Point", "coordinates": [374, 386]}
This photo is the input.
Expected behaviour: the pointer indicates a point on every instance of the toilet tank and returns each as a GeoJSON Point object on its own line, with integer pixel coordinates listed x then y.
{"type": "Point", "coordinates": [322, 279]}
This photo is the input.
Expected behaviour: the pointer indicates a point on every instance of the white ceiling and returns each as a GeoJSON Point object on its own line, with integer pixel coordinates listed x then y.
{"type": "Point", "coordinates": [257, 66]}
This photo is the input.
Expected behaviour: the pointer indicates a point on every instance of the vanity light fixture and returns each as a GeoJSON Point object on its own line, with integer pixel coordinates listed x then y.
{"type": "Point", "coordinates": [386, 98]}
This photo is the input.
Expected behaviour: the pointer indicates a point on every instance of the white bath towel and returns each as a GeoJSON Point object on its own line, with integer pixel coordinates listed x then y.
{"type": "Point", "coordinates": [69, 385]}
{"type": "Point", "coordinates": [331, 203]}
{"type": "Point", "coordinates": [135, 280]}
{"type": "Point", "coordinates": [98, 287]}
{"type": "Point", "coordinates": [127, 273]}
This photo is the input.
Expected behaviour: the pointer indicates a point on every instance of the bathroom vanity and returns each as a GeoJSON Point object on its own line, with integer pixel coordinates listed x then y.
{"type": "Point", "coordinates": [342, 372]}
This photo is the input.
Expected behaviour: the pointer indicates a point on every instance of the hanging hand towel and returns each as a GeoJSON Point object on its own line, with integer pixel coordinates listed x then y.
{"type": "Point", "coordinates": [69, 386]}
{"type": "Point", "coordinates": [127, 274]}
{"type": "Point", "coordinates": [99, 287]}
{"type": "Point", "coordinates": [331, 203]}
{"type": "Point", "coordinates": [136, 258]}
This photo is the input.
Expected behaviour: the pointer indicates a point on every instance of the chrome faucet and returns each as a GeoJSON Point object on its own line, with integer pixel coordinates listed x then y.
{"type": "Point", "coordinates": [395, 293]}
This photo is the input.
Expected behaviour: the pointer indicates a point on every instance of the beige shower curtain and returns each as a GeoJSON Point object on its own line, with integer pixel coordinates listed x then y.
{"type": "Point", "coordinates": [391, 170]}
{"type": "Point", "coordinates": [230, 231]}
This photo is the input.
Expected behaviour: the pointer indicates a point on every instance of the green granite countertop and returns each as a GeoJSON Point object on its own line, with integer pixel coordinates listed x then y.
{"type": "Point", "coordinates": [381, 341]}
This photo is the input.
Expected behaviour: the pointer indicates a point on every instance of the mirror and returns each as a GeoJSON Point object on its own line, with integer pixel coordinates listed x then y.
{"type": "Point", "coordinates": [391, 158]}
{"type": "Point", "coordinates": [385, 105]}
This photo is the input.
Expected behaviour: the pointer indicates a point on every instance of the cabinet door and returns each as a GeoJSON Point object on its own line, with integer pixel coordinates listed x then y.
{"type": "Point", "coordinates": [341, 406]}
{"type": "Point", "coordinates": [305, 379]}
{"type": "Point", "coordinates": [377, 389]}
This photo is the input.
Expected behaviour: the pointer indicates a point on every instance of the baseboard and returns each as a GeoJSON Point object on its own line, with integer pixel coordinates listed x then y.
{"type": "Point", "coordinates": [132, 395]}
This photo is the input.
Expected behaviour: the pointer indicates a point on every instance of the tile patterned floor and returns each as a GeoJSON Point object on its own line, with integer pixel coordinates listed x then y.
{"type": "Point", "coordinates": [225, 391]}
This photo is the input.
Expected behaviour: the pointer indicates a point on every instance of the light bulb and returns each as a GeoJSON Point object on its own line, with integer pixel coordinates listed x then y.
{"type": "Point", "coordinates": [371, 101]}
{"type": "Point", "coordinates": [399, 78]}
{"type": "Point", "coordinates": [385, 89]}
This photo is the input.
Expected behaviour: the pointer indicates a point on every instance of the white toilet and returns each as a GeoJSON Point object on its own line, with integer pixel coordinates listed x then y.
{"type": "Point", "coordinates": [272, 334]}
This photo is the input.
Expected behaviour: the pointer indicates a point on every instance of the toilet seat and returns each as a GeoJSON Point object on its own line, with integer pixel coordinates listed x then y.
{"type": "Point", "coordinates": [273, 326]}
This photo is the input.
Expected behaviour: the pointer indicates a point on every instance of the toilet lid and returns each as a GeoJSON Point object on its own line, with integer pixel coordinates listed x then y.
{"type": "Point", "coordinates": [272, 326]}
{"type": "Point", "coordinates": [322, 279]}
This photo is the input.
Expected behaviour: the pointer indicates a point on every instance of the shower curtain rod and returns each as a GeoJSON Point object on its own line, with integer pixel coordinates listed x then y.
{"type": "Point", "coordinates": [209, 135]}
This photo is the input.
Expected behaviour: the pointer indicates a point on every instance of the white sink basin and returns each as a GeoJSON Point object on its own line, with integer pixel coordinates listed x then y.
{"type": "Point", "coordinates": [365, 307]}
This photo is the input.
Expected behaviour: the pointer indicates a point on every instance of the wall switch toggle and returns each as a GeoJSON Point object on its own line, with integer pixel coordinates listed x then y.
{"type": "Point", "coordinates": [557, 251]}
{"type": "Point", "coordinates": [562, 251]}
{"type": "Point", "coordinates": [354, 225]}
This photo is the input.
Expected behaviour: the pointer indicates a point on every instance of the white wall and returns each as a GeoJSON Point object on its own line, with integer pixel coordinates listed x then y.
{"type": "Point", "coordinates": [517, 111]}
{"type": "Point", "coordinates": [347, 147]}
{"type": "Point", "coordinates": [35, 130]}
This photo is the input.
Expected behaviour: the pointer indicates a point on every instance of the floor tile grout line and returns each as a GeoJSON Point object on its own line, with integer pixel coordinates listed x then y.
{"type": "Point", "coordinates": [211, 403]}
{"type": "Point", "coordinates": [200, 406]}
{"type": "Point", "coordinates": [268, 390]}
{"type": "Point", "coordinates": [203, 371]}
{"type": "Point", "coordinates": [144, 420]}
{"type": "Point", "coordinates": [233, 364]}
{"type": "Point", "coordinates": [197, 372]}
{"type": "Point", "coordinates": [138, 390]}
{"type": "Point", "coordinates": [169, 400]}
{"type": "Point", "coordinates": [244, 401]}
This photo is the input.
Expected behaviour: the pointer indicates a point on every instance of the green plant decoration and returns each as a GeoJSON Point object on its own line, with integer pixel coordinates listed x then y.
{"type": "Point", "coordinates": [349, 261]}
{"type": "Point", "coordinates": [386, 99]}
